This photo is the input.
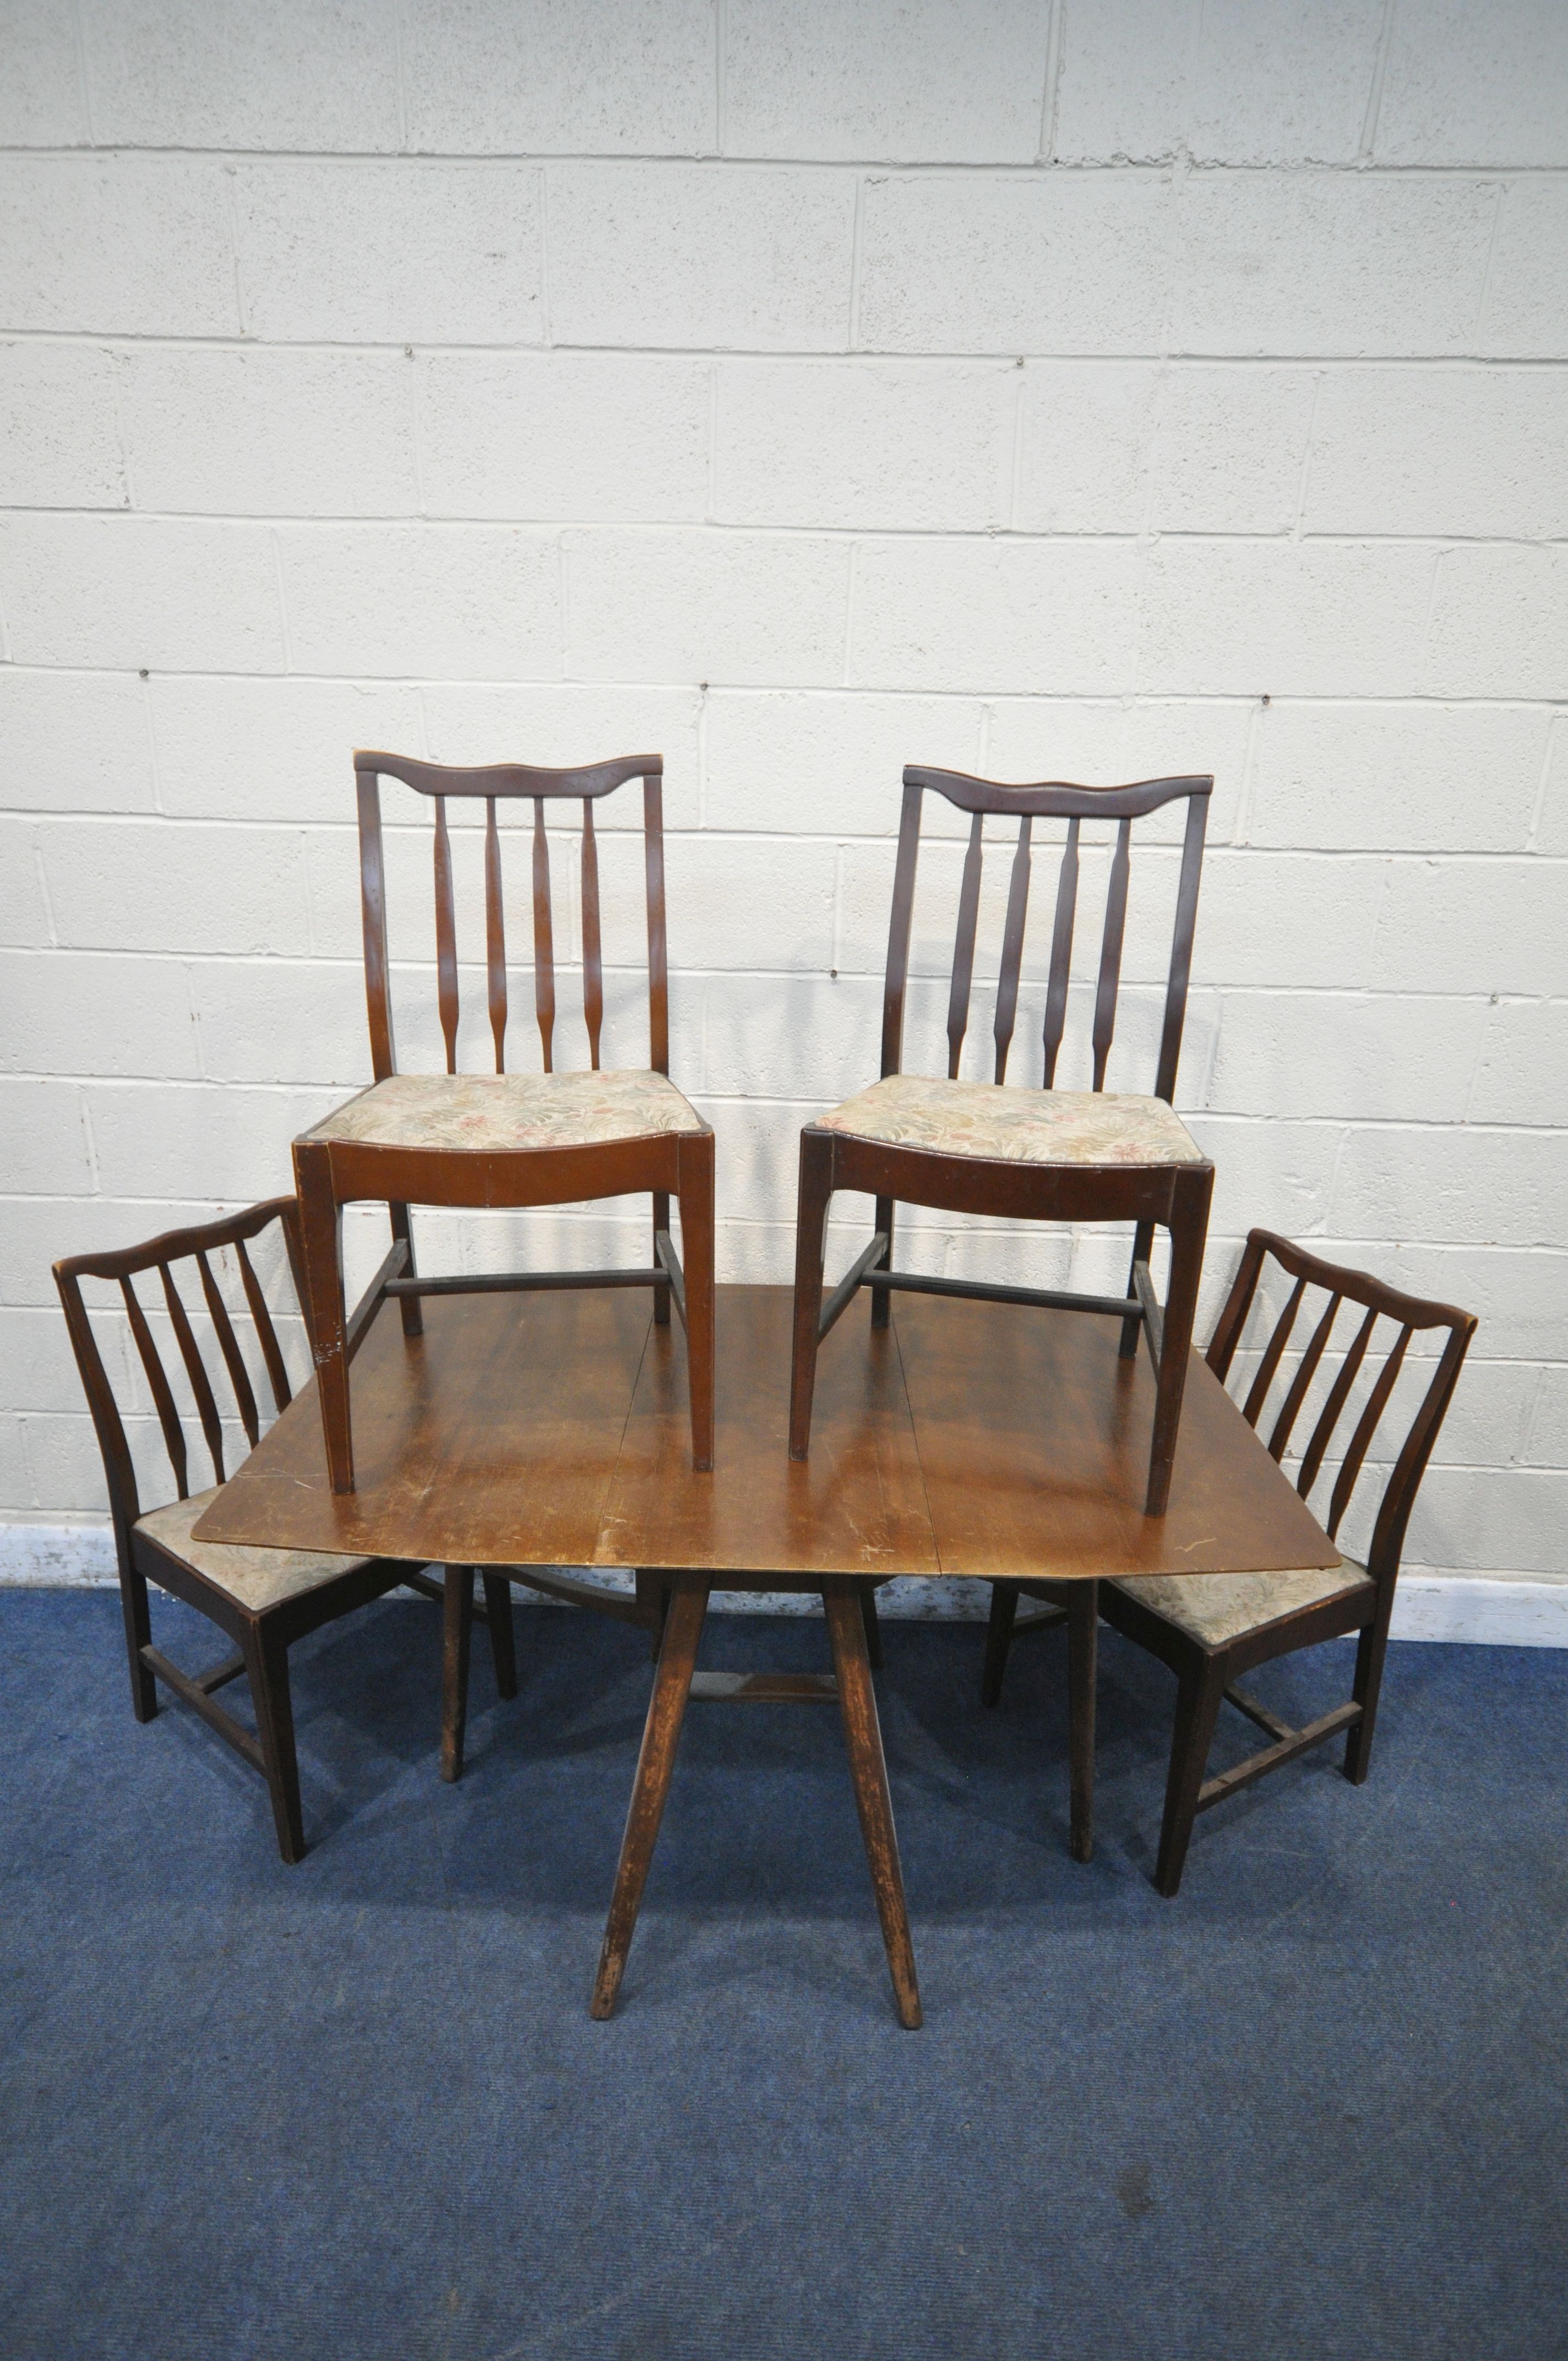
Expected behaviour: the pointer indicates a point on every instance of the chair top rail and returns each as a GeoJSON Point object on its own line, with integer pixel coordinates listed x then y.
{"type": "Point", "coordinates": [1055, 798]}
{"type": "Point", "coordinates": [174, 1246]}
{"type": "Point", "coordinates": [507, 778]}
{"type": "Point", "coordinates": [1360, 1285]}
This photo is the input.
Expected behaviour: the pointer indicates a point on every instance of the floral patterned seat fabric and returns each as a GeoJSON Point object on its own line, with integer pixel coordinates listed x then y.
{"type": "Point", "coordinates": [1015, 1127]}
{"type": "Point", "coordinates": [495, 1113]}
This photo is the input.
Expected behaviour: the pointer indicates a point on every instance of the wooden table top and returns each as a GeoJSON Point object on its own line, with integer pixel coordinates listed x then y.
{"type": "Point", "coordinates": [966, 1438]}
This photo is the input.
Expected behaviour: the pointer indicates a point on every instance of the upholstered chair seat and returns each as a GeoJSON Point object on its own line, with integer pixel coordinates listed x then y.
{"type": "Point", "coordinates": [497, 1113]}
{"type": "Point", "coordinates": [1015, 1127]}
{"type": "Point", "coordinates": [1217, 1609]}
{"type": "Point", "coordinates": [254, 1579]}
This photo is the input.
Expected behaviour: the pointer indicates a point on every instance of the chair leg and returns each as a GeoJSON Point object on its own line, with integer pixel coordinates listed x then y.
{"type": "Point", "coordinates": [1196, 1710]}
{"type": "Point", "coordinates": [321, 1255]}
{"type": "Point", "coordinates": [139, 1635]}
{"type": "Point", "coordinates": [810, 1239]}
{"type": "Point", "coordinates": [655, 1768]}
{"type": "Point", "coordinates": [998, 1639]}
{"type": "Point", "coordinates": [882, 1297]}
{"type": "Point", "coordinates": [457, 1630]}
{"type": "Point", "coordinates": [1133, 1328]}
{"type": "Point", "coordinates": [1189, 1232]}
{"type": "Point", "coordinates": [1369, 1656]}
{"type": "Point", "coordinates": [503, 1640]}
{"type": "Point", "coordinates": [1083, 1671]}
{"type": "Point", "coordinates": [266, 1663]}
{"type": "Point", "coordinates": [662, 1291]}
{"type": "Point", "coordinates": [409, 1305]}
{"type": "Point", "coordinates": [695, 1170]}
{"type": "Point", "coordinates": [873, 1629]}
{"type": "Point", "coordinates": [867, 1769]}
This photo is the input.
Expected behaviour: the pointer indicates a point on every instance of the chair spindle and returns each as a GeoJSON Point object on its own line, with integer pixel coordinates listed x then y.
{"type": "Point", "coordinates": [1376, 1402]}
{"type": "Point", "coordinates": [168, 1416]}
{"type": "Point", "coordinates": [963, 948]}
{"type": "Point", "coordinates": [1270, 1361]}
{"type": "Point", "coordinates": [1279, 1440]}
{"type": "Point", "coordinates": [495, 934]}
{"type": "Point", "coordinates": [1013, 947]}
{"type": "Point", "coordinates": [267, 1336]}
{"type": "Point", "coordinates": [543, 938]}
{"type": "Point", "coordinates": [1338, 1393]}
{"type": "Point", "coordinates": [195, 1369]}
{"type": "Point", "coordinates": [1061, 952]}
{"type": "Point", "coordinates": [228, 1345]}
{"type": "Point", "coordinates": [1110, 951]}
{"type": "Point", "coordinates": [446, 937]}
{"type": "Point", "coordinates": [592, 964]}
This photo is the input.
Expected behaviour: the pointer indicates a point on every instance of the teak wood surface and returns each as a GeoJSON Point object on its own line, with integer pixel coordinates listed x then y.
{"type": "Point", "coordinates": [983, 1439]}
{"type": "Point", "coordinates": [959, 1438]}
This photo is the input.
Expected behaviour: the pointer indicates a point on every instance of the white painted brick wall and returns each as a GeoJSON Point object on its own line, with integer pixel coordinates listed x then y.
{"type": "Point", "coordinates": [386, 251]}
{"type": "Point", "coordinates": [1082, 388]}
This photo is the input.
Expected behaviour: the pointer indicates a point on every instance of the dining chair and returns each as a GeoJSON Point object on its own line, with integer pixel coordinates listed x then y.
{"type": "Point", "coordinates": [1210, 1629]}
{"type": "Point", "coordinates": [208, 1293]}
{"type": "Point", "coordinates": [1025, 1155]}
{"type": "Point", "coordinates": [506, 1138]}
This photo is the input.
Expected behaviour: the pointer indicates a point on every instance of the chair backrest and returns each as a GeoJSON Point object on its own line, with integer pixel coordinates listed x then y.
{"type": "Point", "coordinates": [1055, 800]}
{"type": "Point", "coordinates": [1354, 1398]}
{"type": "Point", "coordinates": [184, 1261]}
{"type": "Point", "coordinates": [439, 781]}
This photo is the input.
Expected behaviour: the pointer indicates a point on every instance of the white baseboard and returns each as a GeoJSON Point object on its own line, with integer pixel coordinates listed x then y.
{"type": "Point", "coordinates": [1490, 1609]}
{"type": "Point", "coordinates": [1503, 1610]}
{"type": "Point", "coordinates": [69, 1554]}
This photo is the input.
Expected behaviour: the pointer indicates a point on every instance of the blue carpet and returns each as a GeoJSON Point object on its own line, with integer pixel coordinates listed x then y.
{"type": "Point", "coordinates": [1314, 2107]}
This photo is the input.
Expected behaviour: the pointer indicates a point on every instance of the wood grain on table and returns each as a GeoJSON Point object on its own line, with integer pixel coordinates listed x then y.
{"type": "Point", "coordinates": [974, 1439]}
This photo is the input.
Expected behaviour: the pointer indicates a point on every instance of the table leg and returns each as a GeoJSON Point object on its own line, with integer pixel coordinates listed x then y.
{"type": "Point", "coordinates": [1082, 1665]}
{"type": "Point", "coordinates": [656, 1764]}
{"type": "Point", "coordinates": [868, 1768]}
